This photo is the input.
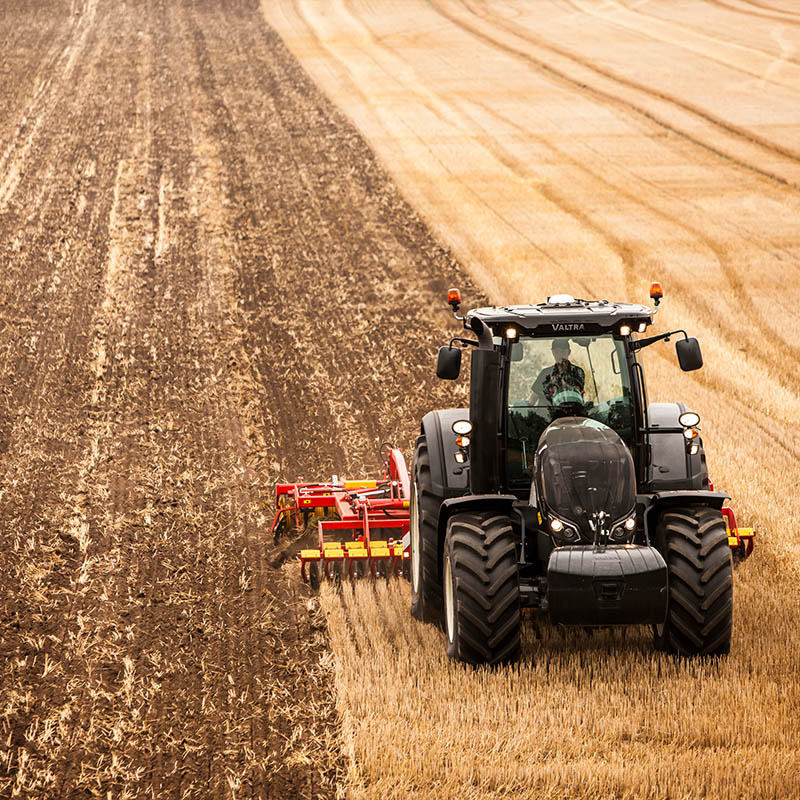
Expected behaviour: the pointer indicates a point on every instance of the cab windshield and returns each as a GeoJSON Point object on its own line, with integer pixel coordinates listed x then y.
{"type": "Point", "coordinates": [564, 376]}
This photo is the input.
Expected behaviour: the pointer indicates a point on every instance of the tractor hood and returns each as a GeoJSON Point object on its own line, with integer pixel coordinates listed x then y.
{"type": "Point", "coordinates": [585, 476]}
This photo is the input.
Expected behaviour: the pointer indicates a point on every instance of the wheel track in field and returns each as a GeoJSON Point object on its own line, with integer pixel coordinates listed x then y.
{"type": "Point", "coordinates": [781, 13]}
{"type": "Point", "coordinates": [34, 37]}
{"type": "Point", "coordinates": [779, 438]}
{"type": "Point", "coordinates": [635, 11]}
{"type": "Point", "coordinates": [733, 277]}
{"type": "Point", "coordinates": [46, 308]}
{"type": "Point", "coordinates": [612, 97]}
{"type": "Point", "coordinates": [58, 73]}
{"type": "Point", "coordinates": [745, 311]}
{"type": "Point", "coordinates": [751, 12]}
{"type": "Point", "coordinates": [444, 111]}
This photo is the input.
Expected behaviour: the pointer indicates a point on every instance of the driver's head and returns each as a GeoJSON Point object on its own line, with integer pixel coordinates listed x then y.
{"type": "Point", "coordinates": [561, 349]}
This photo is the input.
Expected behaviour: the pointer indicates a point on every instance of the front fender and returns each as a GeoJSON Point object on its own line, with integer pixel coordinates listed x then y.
{"type": "Point", "coordinates": [502, 503]}
{"type": "Point", "coordinates": [652, 504]}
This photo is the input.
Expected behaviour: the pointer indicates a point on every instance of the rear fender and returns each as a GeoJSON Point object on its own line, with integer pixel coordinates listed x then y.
{"type": "Point", "coordinates": [449, 478]}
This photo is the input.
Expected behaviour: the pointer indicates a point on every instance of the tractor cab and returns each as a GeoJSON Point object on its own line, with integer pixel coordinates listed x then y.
{"type": "Point", "coordinates": [553, 377]}
{"type": "Point", "coordinates": [564, 358]}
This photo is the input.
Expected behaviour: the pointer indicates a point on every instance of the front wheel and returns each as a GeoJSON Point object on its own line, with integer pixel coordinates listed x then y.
{"type": "Point", "coordinates": [481, 590]}
{"type": "Point", "coordinates": [694, 543]}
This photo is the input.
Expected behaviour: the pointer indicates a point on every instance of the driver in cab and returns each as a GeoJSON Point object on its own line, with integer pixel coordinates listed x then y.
{"type": "Point", "coordinates": [563, 376]}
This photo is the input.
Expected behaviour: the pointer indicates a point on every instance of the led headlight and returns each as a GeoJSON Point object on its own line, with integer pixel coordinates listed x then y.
{"type": "Point", "coordinates": [564, 531]}
{"type": "Point", "coordinates": [623, 530]}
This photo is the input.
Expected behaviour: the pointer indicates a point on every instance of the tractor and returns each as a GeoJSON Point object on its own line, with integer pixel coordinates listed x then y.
{"type": "Point", "coordinates": [562, 489]}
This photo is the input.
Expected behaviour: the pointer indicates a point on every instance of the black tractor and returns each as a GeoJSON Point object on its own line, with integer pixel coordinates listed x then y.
{"type": "Point", "coordinates": [562, 489]}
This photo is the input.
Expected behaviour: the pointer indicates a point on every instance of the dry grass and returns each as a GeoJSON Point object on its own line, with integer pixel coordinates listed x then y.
{"type": "Point", "coordinates": [585, 716]}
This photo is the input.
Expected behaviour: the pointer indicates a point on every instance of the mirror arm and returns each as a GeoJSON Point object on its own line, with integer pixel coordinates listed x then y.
{"type": "Point", "coordinates": [640, 343]}
{"type": "Point", "coordinates": [464, 342]}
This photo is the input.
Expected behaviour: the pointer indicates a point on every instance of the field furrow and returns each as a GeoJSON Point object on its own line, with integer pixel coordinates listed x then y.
{"type": "Point", "coordinates": [202, 291]}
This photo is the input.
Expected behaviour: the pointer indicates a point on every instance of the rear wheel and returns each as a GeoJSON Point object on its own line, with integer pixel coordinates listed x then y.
{"type": "Point", "coordinates": [481, 590]}
{"type": "Point", "coordinates": [426, 587]}
{"type": "Point", "coordinates": [699, 621]}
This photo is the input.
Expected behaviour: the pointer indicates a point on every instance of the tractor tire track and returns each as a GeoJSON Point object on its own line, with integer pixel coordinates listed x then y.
{"type": "Point", "coordinates": [635, 12]}
{"type": "Point", "coordinates": [746, 312]}
{"type": "Point", "coordinates": [59, 73]}
{"type": "Point", "coordinates": [631, 253]}
{"type": "Point", "coordinates": [446, 111]}
{"type": "Point", "coordinates": [606, 96]}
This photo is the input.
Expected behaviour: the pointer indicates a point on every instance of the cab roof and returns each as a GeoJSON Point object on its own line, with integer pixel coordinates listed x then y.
{"type": "Point", "coordinates": [563, 314]}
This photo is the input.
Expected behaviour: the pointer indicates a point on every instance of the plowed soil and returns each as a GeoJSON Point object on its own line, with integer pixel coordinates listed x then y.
{"type": "Point", "coordinates": [207, 284]}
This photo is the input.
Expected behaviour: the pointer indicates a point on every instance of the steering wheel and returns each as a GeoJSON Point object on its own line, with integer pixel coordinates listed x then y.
{"type": "Point", "coordinates": [569, 409]}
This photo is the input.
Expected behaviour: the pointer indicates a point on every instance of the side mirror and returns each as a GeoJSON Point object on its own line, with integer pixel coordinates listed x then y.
{"type": "Point", "coordinates": [517, 353]}
{"type": "Point", "coordinates": [448, 363]}
{"type": "Point", "coordinates": [689, 356]}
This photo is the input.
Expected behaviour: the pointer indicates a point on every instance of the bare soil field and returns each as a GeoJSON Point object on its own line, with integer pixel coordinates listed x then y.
{"type": "Point", "coordinates": [591, 147]}
{"type": "Point", "coordinates": [207, 284]}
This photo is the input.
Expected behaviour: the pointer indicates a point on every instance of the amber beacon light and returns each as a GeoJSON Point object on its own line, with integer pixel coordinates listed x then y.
{"type": "Point", "coordinates": [454, 298]}
{"type": "Point", "coordinates": [656, 292]}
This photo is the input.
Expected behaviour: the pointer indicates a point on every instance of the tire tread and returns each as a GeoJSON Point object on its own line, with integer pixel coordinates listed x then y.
{"type": "Point", "coordinates": [700, 615]}
{"type": "Point", "coordinates": [487, 597]}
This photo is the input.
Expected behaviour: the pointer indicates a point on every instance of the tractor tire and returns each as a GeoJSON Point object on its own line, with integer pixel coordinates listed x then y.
{"type": "Point", "coordinates": [694, 543]}
{"type": "Point", "coordinates": [426, 585]}
{"type": "Point", "coordinates": [481, 590]}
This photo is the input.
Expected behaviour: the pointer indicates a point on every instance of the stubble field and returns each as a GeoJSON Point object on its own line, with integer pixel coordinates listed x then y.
{"type": "Point", "coordinates": [209, 283]}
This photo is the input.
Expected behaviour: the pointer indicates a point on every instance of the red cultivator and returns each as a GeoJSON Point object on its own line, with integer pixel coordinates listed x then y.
{"type": "Point", "coordinates": [740, 540]}
{"type": "Point", "coordinates": [373, 512]}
